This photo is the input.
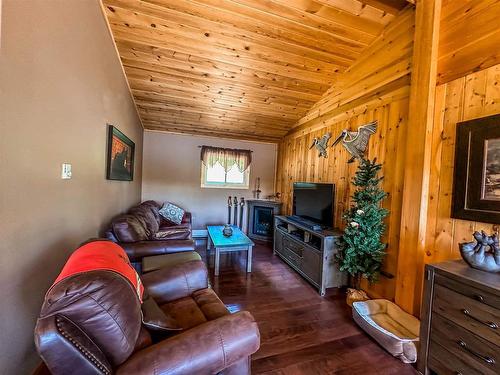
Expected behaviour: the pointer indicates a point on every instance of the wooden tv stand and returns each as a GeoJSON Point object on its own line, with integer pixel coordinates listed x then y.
{"type": "Point", "coordinates": [311, 253]}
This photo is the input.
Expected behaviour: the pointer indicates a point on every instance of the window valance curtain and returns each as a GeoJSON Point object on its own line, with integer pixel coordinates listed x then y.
{"type": "Point", "coordinates": [227, 157]}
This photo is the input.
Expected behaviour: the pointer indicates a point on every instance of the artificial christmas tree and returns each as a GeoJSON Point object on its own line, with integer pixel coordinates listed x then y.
{"type": "Point", "coordinates": [362, 250]}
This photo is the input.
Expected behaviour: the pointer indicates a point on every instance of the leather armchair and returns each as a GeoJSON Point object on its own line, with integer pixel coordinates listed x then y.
{"type": "Point", "coordinates": [92, 323]}
{"type": "Point", "coordinates": [169, 284]}
{"type": "Point", "coordinates": [207, 349]}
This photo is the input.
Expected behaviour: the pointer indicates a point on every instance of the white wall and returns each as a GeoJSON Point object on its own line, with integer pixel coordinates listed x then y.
{"type": "Point", "coordinates": [172, 167]}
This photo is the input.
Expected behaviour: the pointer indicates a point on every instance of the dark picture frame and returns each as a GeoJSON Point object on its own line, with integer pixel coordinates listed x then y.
{"type": "Point", "coordinates": [476, 182]}
{"type": "Point", "coordinates": [120, 156]}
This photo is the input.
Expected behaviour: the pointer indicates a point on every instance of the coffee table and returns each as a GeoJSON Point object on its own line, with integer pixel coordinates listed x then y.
{"type": "Point", "coordinates": [237, 242]}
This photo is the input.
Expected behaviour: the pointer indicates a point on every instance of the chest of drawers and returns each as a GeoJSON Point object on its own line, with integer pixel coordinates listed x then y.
{"type": "Point", "coordinates": [460, 327]}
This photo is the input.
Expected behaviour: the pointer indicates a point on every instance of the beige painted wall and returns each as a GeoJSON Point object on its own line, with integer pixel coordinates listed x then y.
{"type": "Point", "coordinates": [60, 82]}
{"type": "Point", "coordinates": [172, 170]}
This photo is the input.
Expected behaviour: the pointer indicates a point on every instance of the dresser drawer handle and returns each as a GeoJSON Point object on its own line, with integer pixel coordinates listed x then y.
{"type": "Point", "coordinates": [464, 346]}
{"type": "Point", "coordinates": [479, 297]}
{"type": "Point", "coordinates": [489, 324]}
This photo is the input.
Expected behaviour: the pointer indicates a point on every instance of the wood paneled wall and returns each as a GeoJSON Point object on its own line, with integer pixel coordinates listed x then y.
{"type": "Point", "coordinates": [468, 87]}
{"type": "Point", "coordinates": [375, 88]}
{"type": "Point", "coordinates": [469, 38]}
{"type": "Point", "coordinates": [475, 95]}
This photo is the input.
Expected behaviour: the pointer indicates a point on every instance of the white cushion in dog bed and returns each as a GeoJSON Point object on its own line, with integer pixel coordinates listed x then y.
{"type": "Point", "coordinates": [394, 329]}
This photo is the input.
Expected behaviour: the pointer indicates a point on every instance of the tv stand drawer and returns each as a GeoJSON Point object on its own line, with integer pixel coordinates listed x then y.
{"type": "Point", "coordinates": [293, 246]}
{"type": "Point", "coordinates": [293, 258]}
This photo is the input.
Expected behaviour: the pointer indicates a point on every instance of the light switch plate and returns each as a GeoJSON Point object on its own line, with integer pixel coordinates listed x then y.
{"type": "Point", "coordinates": [66, 171]}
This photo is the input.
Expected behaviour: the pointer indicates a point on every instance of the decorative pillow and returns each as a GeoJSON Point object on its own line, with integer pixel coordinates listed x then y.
{"type": "Point", "coordinates": [153, 317]}
{"type": "Point", "coordinates": [172, 213]}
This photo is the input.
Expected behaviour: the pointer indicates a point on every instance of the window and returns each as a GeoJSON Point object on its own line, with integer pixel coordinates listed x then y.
{"type": "Point", "coordinates": [225, 168]}
{"type": "Point", "coordinates": [217, 177]}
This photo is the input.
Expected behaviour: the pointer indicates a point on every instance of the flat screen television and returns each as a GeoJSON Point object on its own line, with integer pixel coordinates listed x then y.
{"type": "Point", "coordinates": [314, 202]}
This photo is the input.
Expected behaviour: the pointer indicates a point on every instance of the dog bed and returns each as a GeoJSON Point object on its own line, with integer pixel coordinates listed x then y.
{"type": "Point", "coordinates": [394, 329]}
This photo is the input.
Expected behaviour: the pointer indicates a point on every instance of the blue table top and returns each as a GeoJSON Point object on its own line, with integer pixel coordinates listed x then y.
{"type": "Point", "coordinates": [219, 240]}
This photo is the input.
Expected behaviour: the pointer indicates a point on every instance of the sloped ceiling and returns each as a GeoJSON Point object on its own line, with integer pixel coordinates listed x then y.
{"type": "Point", "coordinates": [246, 69]}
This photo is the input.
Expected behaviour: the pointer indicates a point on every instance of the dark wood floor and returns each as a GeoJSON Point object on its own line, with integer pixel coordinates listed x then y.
{"type": "Point", "coordinates": [301, 332]}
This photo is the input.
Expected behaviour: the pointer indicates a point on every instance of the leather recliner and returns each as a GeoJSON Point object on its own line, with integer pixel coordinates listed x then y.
{"type": "Point", "coordinates": [142, 232]}
{"type": "Point", "coordinates": [93, 323]}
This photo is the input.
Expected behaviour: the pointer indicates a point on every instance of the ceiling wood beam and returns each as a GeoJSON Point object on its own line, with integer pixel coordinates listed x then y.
{"type": "Point", "coordinates": [329, 18]}
{"type": "Point", "coordinates": [389, 6]}
{"type": "Point", "coordinates": [361, 9]}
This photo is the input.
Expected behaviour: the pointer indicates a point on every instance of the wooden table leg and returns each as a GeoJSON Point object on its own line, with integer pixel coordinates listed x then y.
{"type": "Point", "coordinates": [217, 261]}
{"type": "Point", "coordinates": [249, 259]}
{"type": "Point", "coordinates": [209, 245]}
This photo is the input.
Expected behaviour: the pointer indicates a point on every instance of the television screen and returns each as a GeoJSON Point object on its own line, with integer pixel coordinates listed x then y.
{"type": "Point", "coordinates": [314, 202]}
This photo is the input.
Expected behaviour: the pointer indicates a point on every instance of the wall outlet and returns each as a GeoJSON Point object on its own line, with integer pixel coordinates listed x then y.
{"type": "Point", "coordinates": [66, 171]}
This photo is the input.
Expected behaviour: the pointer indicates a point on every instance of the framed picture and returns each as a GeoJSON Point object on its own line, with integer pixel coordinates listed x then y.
{"type": "Point", "coordinates": [120, 158]}
{"type": "Point", "coordinates": [476, 183]}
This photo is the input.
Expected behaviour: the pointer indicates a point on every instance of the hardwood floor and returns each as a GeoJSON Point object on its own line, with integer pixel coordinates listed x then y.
{"type": "Point", "coordinates": [301, 332]}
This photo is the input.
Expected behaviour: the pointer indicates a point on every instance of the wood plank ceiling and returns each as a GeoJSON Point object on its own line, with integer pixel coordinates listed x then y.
{"type": "Point", "coordinates": [246, 69]}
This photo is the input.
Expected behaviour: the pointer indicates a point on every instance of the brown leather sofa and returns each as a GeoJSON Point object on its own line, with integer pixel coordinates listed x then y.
{"type": "Point", "coordinates": [92, 323]}
{"type": "Point", "coordinates": [143, 232]}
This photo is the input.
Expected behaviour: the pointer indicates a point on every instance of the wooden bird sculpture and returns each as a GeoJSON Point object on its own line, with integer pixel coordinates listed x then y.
{"type": "Point", "coordinates": [483, 254]}
{"type": "Point", "coordinates": [321, 144]}
{"type": "Point", "coordinates": [356, 142]}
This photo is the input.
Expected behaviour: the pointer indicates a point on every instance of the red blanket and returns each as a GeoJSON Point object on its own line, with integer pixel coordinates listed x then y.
{"type": "Point", "coordinates": [102, 255]}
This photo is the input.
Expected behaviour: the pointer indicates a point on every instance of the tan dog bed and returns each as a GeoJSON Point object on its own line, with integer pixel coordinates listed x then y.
{"type": "Point", "coordinates": [395, 330]}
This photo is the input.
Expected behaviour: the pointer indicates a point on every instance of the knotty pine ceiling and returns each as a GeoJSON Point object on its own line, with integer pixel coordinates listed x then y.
{"type": "Point", "coordinates": [246, 69]}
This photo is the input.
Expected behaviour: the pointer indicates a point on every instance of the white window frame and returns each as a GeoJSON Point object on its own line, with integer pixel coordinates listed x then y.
{"type": "Point", "coordinates": [224, 185]}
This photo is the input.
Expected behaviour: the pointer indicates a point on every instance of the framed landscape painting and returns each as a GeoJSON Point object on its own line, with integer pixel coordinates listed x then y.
{"type": "Point", "coordinates": [120, 158]}
{"type": "Point", "coordinates": [476, 183]}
